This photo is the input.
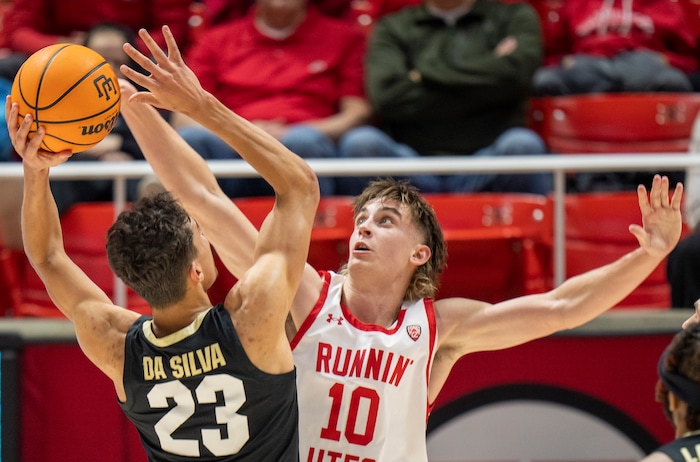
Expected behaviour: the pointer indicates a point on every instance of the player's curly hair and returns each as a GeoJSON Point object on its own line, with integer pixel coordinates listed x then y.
{"type": "Point", "coordinates": [426, 278]}
{"type": "Point", "coordinates": [151, 246]}
{"type": "Point", "coordinates": [683, 358]}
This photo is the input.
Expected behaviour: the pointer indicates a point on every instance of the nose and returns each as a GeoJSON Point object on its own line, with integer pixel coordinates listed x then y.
{"type": "Point", "coordinates": [364, 229]}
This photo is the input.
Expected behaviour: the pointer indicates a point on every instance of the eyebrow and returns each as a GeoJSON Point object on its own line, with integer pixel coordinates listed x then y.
{"type": "Point", "coordinates": [384, 208]}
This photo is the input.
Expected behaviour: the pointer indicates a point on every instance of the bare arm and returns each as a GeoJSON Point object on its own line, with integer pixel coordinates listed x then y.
{"type": "Point", "coordinates": [269, 285]}
{"type": "Point", "coordinates": [657, 457]}
{"type": "Point", "coordinates": [467, 326]}
{"type": "Point", "coordinates": [100, 326]}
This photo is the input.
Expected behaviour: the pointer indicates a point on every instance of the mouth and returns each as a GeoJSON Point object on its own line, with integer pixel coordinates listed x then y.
{"type": "Point", "coordinates": [360, 247]}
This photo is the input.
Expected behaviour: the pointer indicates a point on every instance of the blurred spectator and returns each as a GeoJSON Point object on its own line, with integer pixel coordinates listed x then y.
{"type": "Point", "coordinates": [119, 146]}
{"type": "Point", "coordinates": [683, 271]}
{"type": "Point", "coordinates": [451, 78]}
{"type": "Point", "coordinates": [6, 151]}
{"type": "Point", "coordinates": [621, 46]}
{"type": "Point", "coordinates": [223, 11]}
{"type": "Point", "coordinates": [288, 69]}
{"type": "Point", "coordinates": [34, 24]}
{"type": "Point", "coordinates": [678, 391]}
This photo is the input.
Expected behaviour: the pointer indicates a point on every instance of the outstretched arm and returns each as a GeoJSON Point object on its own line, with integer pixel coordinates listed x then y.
{"type": "Point", "coordinates": [467, 326]}
{"type": "Point", "coordinates": [173, 86]}
{"type": "Point", "coordinates": [282, 245]}
{"type": "Point", "coordinates": [100, 326]}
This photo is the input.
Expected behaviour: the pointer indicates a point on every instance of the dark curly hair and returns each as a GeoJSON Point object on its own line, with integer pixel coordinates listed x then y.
{"type": "Point", "coordinates": [682, 357]}
{"type": "Point", "coordinates": [426, 278]}
{"type": "Point", "coordinates": [150, 247]}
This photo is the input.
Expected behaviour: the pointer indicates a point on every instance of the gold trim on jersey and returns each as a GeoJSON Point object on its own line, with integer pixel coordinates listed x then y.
{"type": "Point", "coordinates": [175, 336]}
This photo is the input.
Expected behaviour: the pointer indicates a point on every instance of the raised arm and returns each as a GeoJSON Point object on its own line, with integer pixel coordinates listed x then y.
{"type": "Point", "coordinates": [173, 86]}
{"type": "Point", "coordinates": [100, 326]}
{"type": "Point", "coordinates": [467, 326]}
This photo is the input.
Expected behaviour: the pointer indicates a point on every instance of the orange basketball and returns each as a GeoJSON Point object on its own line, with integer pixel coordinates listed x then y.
{"type": "Point", "coordinates": [71, 91]}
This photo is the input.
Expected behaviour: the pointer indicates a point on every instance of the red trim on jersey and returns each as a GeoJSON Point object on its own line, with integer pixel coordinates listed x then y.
{"type": "Point", "coordinates": [430, 313]}
{"type": "Point", "coordinates": [314, 311]}
{"type": "Point", "coordinates": [372, 327]}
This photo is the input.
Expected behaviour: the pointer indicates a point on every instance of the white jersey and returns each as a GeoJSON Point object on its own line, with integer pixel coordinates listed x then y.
{"type": "Point", "coordinates": [363, 389]}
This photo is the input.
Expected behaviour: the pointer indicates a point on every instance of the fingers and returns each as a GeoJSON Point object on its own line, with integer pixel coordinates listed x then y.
{"type": "Point", "coordinates": [173, 50]}
{"type": "Point", "coordinates": [655, 198]}
{"type": "Point", "coordinates": [158, 54]}
{"type": "Point", "coordinates": [136, 77]}
{"type": "Point", "coordinates": [11, 111]}
{"type": "Point", "coordinates": [139, 58]}
{"type": "Point", "coordinates": [677, 197]}
{"type": "Point", "coordinates": [659, 196]}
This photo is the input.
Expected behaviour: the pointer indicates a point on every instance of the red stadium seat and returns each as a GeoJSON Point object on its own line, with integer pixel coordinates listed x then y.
{"type": "Point", "coordinates": [597, 233]}
{"type": "Point", "coordinates": [328, 249]}
{"type": "Point", "coordinates": [692, 14]}
{"type": "Point", "coordinates": [85, 228]}
{"type": "Point", "coordinates": [616, 122]}
{"type": "Point", "coordinates": [497, 244]}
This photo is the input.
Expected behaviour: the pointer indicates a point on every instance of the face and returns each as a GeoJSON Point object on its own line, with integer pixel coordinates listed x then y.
{"type": "Point", "coordinates": [109, 43]}
{"type": "Point", "coordinates": [205, 256]}
{"type": "Point", "coordinates": [289, 5]}
{"type": "Point", "coordinates": [384, 236]}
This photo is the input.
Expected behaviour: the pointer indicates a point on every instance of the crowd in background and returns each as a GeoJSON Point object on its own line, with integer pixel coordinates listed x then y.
{"type": "Point", "coordinates": [375, 78]}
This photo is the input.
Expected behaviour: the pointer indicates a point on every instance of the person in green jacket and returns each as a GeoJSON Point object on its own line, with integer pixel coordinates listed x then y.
{"type": "Point", "coordinates": [451, 77]}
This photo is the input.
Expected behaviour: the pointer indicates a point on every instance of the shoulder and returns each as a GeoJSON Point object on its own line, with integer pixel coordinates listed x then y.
{"type": "Point", "coordinates": [219, 32]}
{"type": "Point", "coordinates": [338, 28]}
{"type": "Point", "coordinates": [657, 456]}
{"type": "Point", "coordinates": [451, 313]}
{"type": "Point", "coordinates": [521, 10]}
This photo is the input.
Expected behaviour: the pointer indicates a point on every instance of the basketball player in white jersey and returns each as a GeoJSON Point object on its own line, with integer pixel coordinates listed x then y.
{"type": "Point", "coordinates": [371, 347]}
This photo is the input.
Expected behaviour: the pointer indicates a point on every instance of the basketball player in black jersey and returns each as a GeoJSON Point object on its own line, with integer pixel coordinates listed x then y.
{"type": "Point", "coordinates": [678, 390]}
{"type": "Point", "coordinates": [199, 382]}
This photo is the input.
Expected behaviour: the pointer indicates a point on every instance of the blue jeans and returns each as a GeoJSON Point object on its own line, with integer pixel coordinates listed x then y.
{"type": "Point", "coordinates": [630, 71]}
{"type": "Point", "coordinates": [368, 142]}
{"type": "Point", "coordinates": [303, 140]}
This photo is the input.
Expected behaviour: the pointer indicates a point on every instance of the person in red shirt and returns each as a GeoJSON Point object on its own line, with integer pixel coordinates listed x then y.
{"type": "Point", "coordinates": [290, 70]}
{"type": "Point", "coordinates": [621, 46]}
{"type": "Point", "coordinates": [34, 24]}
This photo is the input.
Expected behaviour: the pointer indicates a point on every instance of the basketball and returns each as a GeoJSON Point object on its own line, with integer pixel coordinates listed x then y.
{"type": "Point", "coordinates": [72, 91]}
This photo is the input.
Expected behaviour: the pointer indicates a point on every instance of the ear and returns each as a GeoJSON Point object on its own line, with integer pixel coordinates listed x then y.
{"type": "Point", "coordinates": [673, 401]}
{"type": "Point", "coordinates": [421, 255]}
{"type": "Point", "coordinates": [195, 273]}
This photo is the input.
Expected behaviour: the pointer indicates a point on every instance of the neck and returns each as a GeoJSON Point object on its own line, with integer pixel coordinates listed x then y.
{"type": "Point", "coordinates": [175, 317]}
{"type": "Point", "coordinates": [281, 19]}
{"type": "Point", "coordinates": [447, 5]}
{"type": "Point", "coordinates": [377, 304]}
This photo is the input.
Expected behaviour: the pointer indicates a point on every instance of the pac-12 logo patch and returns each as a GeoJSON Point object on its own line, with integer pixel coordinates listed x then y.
{"type": "Point", "coordinates": [413, 331]}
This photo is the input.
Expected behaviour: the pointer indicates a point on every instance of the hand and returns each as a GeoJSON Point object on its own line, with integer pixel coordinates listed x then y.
{"type": "Point", "coordinates": [661, 217]}
{"type": "Point", "coordinates": [275, 127]}
{"type": "Point", "coordinates": [505, 47]}
{"type": "Point", "coordinates": [29, 148]}
{"type": "Point", "coordinates": [171, 84]}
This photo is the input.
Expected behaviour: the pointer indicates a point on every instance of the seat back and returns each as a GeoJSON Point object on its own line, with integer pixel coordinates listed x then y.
{"type": "Point", "coordinates": [85, 228]}
{"type": "Point", "coordinates": [497, 244]}
{"type": "Point", "coordinates": [616, 122]}
{"type": "Point", "coordinates": [328, 248]}
{"type": "Point", "coordinates": [692, 14]}
{"type": "Point", "coordinates": [597, 233]}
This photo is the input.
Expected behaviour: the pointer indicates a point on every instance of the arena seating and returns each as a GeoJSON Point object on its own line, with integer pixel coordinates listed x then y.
{"type": "Point", "coordinates": [84, 232]}
{"type": "Point", "coordinates": [329, 237]}
{"type": "Point", "coordinates": [597, 233]}
{"type": "Point", "coordinates": [616, 122]}
{"type": "Point", "coordinates": [497, 244]}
